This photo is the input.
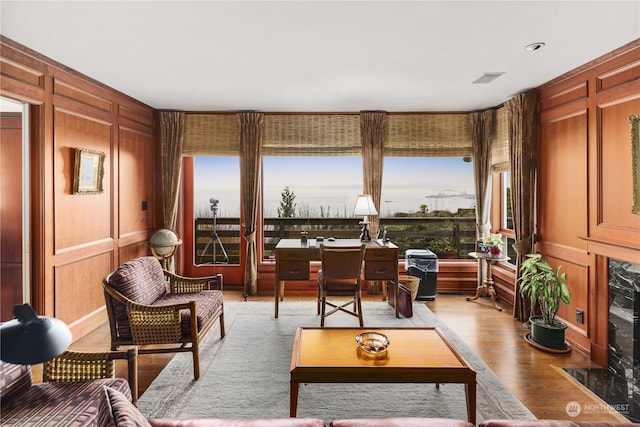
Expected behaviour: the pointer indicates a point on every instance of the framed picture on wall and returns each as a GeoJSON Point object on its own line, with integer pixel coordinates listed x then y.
{"type": "Point", "coordinates": [88, 171]}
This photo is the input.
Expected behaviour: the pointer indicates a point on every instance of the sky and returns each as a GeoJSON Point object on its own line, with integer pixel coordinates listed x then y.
{"type": "Point", "coordinates": [334, 183]}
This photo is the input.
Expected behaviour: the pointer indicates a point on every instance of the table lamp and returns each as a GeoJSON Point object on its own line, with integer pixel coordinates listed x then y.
{"type": "Point", "coordinates": [30, 339]}
{"type": "Point", "coordinates": [365, 207]}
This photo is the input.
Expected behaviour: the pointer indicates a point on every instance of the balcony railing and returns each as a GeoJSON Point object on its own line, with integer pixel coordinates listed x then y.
{"type": "Point", "coordinates": [405, 232]}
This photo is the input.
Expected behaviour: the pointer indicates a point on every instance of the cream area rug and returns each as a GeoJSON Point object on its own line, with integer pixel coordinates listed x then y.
{"type": "Point", "coordinates": [246, 374]}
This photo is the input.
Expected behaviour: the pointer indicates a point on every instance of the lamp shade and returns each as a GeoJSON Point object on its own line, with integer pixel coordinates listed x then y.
{"type": "Point", "coordinates": [30, 339]}
{"type": "Point", "coordinates": [364, 206]}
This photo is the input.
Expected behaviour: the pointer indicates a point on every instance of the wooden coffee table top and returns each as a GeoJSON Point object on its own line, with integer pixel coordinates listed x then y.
{"type": "Point", "coordinates": [414, 355]}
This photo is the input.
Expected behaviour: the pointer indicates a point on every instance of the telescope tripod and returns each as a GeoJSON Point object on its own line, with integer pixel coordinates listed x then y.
{"type": "Point", "coordinates": [213, 237]}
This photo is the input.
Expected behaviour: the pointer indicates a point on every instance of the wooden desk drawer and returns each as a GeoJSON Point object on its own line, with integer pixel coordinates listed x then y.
{"type": "Point", "coordinates": [293, 270]}
{"type": "Point", "coordinates": [292, 255]}
{"type": "Point", "coordinates": [381, 255]}
{"type": "Point", "coordinates": [380, 270]}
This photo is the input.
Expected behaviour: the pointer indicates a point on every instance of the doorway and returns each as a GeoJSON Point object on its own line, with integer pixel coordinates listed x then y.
{"type": "Point", "coordinates": [14, 207]}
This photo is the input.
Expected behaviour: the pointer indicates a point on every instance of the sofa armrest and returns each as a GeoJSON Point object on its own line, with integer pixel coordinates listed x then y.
{"type": "Point", "coordinates": [181, 284]}
{"type": "Point", "coordinates": [86, 366]}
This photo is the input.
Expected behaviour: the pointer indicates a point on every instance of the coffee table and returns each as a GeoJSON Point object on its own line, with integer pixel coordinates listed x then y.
{"type": "Point", "coordinates": [415, 355]}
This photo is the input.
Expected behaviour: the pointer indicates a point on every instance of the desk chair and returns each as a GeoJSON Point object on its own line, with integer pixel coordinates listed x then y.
{"type": "Point", "coordinates": [340, 275]}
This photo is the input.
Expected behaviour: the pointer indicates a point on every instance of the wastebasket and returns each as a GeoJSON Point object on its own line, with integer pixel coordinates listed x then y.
{"type": "Point", "coordinates": [423, 263]}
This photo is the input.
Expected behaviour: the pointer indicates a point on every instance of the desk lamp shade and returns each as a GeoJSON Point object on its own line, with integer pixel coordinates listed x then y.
{"type": "Point", "coordinates": [30, 339]}
{"type": "Point", "coordinates": [365, 207]}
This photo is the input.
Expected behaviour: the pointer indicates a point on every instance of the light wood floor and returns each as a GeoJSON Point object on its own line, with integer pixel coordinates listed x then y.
{"type": "Point", "coordinates": [533, 376]}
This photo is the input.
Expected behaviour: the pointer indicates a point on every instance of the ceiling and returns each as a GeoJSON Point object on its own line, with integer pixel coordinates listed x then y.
{"type": "Point", "coordinates": [316, 56]}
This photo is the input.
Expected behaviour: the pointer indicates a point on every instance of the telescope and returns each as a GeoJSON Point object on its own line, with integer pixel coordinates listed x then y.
{"type": "Point", "coordinates": [214, 238]}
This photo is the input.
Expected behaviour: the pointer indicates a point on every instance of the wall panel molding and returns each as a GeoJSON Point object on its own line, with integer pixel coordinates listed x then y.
{"type": "Point", "coordinates": [15, 71]}
{"type": "Point", "coordinates": [67, 90]}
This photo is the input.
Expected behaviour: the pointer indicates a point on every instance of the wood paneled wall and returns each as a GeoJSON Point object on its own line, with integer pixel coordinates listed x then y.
{"type": "Point", "coordinates": [585, 187]}
{"type": "Point", "coordinates": [11, 292]}
{"type": "Point", "coordinates": [78, 239]}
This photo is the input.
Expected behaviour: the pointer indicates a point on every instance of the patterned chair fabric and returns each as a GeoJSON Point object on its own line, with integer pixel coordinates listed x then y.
{"type": "Point", "coordinates": [74, 403]}
{"type": "Point", "coordinates": [149, 305]}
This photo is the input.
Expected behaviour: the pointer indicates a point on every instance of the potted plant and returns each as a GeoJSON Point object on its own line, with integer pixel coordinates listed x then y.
{"type": "Point", "coordinates": [548, 288]}
{"type": "Point", "coordinates": [443, 247]}
{"type": "Point", "coordinates": [494, 243]}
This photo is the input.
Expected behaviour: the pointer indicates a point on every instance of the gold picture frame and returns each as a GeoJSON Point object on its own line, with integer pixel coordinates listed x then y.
{"type": "Point", "coordinates": [634, 120]}
{"type": "Point", "coordinates": [88, 171]}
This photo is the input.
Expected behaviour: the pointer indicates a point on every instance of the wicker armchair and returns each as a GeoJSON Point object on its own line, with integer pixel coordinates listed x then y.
{"type": "Point", "coordinates": [159, 311]}
{"type": "Point", "coordinates": [89, 366]}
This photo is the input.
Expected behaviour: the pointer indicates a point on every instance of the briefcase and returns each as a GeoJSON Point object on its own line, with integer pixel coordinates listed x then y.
{"type": "Point", "coordinates": [405, 305]}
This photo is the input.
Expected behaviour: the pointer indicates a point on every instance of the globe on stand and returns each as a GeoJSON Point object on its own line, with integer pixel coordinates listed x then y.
{"type": "Point", "coordinates": [163, 244]}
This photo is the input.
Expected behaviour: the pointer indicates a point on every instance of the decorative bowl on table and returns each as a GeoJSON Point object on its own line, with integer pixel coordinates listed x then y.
{"type": "Point", "coordinates": [373, 343]}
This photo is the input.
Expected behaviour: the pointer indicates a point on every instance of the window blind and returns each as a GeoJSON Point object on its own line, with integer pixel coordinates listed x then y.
{"type": "Point", "coordinates": [500, 146]}
{"type": "Point", "coordinates": [428, 135]}
{"type": "Point", "coordinates": [311, 135]}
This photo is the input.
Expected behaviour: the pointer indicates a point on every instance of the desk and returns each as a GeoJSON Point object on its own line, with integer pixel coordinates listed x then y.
{"type": "Point", "coordinates": [487, 282]}
{"type": "Point", "coordinates": [293, 259]}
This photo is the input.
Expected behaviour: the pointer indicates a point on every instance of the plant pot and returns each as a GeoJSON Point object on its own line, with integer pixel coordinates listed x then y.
{"type": "Point", "coordinates": [494, 251]}
{"type": "Point", "coordinates": [549, 336]}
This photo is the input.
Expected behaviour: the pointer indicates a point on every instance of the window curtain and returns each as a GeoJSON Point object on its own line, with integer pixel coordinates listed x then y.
{"type": "Point", "coordinates": [482, 134]}
{"type": "Point", "coordinates": [522, 146]}
{"type": "Point", "coordinates": [250, 124]}
{"type": "Point", "coordinates": [373, 130]}
{"type": "Point", "coordinates": [171, 143]}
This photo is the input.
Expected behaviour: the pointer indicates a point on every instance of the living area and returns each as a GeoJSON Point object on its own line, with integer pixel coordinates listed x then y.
{"type": "Point", "coordinates": [586, 205]}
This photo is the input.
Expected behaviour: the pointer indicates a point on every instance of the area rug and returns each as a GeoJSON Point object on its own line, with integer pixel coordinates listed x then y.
{"type": "Point", "coordinates": [246, 374]}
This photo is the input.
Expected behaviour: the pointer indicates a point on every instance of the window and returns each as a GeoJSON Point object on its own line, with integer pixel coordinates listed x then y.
{"type": "Point", "coordinates": [426, 184]}
{"type": "Point", "coordinates": [429, 203]}
{"type": "Point", "coordinates": [506, 215]}
{"type": "Point", "coordinates": [216, 199]}
{"type": "Point", "coordinates": [322, 193]}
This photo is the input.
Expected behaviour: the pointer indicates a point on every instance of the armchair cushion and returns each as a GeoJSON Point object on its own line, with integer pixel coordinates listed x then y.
{"type": "Point", "coordinates": [207, 302]}
{"type": "Point", "coordinates": [140, 280]}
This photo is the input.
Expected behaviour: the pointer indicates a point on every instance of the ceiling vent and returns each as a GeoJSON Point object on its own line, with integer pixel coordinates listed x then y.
{"type": "Point", "coordinates": [534, 46]}
{"type": "Point", "coordinates": [487, 78]}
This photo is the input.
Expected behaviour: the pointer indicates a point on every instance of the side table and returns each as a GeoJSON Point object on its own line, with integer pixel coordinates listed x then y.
{"type": "Point", "coordinates": [487, 282]}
